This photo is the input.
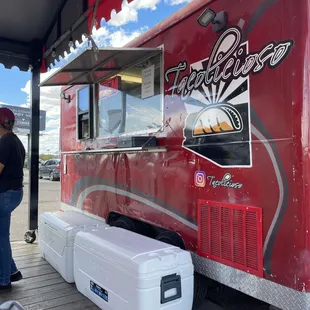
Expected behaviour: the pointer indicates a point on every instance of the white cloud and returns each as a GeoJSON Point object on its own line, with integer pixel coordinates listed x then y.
{"type": "Point", "coordinates": [177, 2]}
{"type": "Point", "coordinates": [103, 37]}
{"type": "Point", "coordinates": [129, 12]}
{"type": "Point", "coordinates": [3, 103]}
{"type": "Point", "coordinates": [49, 102]}
{"type": "Point", "coordinates": [49, 98]}
{"type": "Point", "coordinates": [117, 38]}
{"type": "Point", "coordinates": [55, 122]}
{"type": "Point", "coordinates": [49, 142]}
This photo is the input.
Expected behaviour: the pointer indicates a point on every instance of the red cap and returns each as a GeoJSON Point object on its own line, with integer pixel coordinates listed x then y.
{"type": "Point", "coordinates": [6, 115]}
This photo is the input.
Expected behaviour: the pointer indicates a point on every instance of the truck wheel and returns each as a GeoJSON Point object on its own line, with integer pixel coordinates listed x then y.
{"type": "Point", "coordinates": [52, 178]}
{"type": "Point", "coordinates": [126, 223]}
{"type": "Point", "coordinates": [200, 283]}
{"type": "Point", "coordinates": [172, 238]}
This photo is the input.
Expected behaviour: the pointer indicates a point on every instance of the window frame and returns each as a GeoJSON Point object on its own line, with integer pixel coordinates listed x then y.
{"type": "Point", "coordinates": [89, 112]}
{"type": "Point", "coordinates": [139, 132]}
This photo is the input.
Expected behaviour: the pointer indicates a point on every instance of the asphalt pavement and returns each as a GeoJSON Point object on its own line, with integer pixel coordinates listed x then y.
{"type": "Point", "coordinates": [49, 198]}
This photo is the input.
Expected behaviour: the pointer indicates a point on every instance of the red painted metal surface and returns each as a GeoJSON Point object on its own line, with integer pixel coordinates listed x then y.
{"type": "Point", "coordinates": [231, 234]}
{"type": "Point", "coordinates": [160, 188]}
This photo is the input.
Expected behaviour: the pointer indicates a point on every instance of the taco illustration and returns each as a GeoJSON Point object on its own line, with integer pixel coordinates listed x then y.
{"type": "Point", "coordinates": [218, 119]}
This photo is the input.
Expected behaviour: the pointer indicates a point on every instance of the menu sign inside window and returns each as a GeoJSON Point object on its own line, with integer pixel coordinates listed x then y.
{"type": "Point", "coordinates": [147, 82]}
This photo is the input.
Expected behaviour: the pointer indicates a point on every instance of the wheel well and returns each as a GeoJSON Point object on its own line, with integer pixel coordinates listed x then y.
{"type": "Point", "coordinates": [146, 229]}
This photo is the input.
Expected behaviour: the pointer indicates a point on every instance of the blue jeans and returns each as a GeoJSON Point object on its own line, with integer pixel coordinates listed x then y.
{"type": "Point", "coordinates": [9, 201]}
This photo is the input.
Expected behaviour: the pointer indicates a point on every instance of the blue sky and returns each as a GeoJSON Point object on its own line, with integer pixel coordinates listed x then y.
{"type": "Point", "coordinates": [134, 19]}
{"type": "Point", "coordinates": [10, 88]}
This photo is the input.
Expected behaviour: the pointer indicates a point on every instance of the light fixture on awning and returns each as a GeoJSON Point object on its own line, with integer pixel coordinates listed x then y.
{"type": "Point", "coordinates": [87, 69]}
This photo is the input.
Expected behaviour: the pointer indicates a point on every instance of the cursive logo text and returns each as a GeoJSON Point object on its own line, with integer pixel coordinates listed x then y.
{"type": "Point", "coordinates": [229, 60]}
{"type": "Point", "coordinates": [225, 182]}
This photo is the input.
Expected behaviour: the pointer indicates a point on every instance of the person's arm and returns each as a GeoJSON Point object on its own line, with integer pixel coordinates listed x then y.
{"type": "Point", "coordinates": [4, 153]}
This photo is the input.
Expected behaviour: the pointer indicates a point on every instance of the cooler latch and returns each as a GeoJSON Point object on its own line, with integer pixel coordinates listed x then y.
{"type": "Point", "coordinates": [170, 288]}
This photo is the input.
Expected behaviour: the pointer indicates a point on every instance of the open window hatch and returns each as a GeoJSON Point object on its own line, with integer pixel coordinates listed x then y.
{"type": "Point", "coordinates": [94, 66]}
{"type": "Point", "coordinates": [120, 95]}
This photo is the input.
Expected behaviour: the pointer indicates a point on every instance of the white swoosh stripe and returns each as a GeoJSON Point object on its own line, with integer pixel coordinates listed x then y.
{"type": "Point", "coordinates": [280, 183]}
{"type": "Point", "coordinates": [118, 191]}
{"type": "Point", "coordinates": [157, 207]}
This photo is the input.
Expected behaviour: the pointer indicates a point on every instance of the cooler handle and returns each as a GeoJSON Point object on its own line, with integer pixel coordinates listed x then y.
{"type": "Point", "coordinates": [169, 283]}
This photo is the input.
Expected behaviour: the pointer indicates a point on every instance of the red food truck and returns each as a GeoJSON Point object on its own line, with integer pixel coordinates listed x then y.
{"type": "Point", "coordinates": [197, 133]}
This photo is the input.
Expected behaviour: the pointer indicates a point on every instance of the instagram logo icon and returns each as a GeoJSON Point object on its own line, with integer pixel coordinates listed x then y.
{"type": "Point", "coordinates": [200, 179]}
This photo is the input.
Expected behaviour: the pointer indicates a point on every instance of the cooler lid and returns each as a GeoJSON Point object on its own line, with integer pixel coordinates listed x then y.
{"type": "Point", "coordinates": [140, 254]}
{"type": "Point", "coordinates": [68, 223]}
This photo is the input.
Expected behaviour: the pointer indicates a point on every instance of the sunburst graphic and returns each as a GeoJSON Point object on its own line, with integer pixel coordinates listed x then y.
{"type": "Point", "coordinates": [233, 91]}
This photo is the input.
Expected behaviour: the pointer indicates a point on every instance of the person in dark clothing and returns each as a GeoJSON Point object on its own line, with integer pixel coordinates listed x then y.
{"type": "Point", "coordinates": [12, 159]}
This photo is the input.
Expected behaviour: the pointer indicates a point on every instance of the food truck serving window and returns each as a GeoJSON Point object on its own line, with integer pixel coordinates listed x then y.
{"type": "Point", "coordinates": [131, 102]}
{"type": "Point", "coordinates": [120, 91]}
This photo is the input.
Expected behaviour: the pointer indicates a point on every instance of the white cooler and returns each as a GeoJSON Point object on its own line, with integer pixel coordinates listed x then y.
{"type": "Point", "coordinates": [57, 231]}
{"type": "Point", "coordinates": [120, 270]}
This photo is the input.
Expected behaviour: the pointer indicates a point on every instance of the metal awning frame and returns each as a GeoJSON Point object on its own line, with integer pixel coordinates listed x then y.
{"type": "Point", "coordinates": [78, 65]}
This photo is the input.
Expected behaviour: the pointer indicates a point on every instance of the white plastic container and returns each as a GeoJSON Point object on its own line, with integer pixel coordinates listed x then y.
{"type": "Point", "coordinates": [120, 270]}
{"type": "Point", "coordinates": [57, 231]}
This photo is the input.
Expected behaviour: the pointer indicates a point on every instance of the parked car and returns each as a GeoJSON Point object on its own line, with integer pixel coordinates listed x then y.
{"type": "Point", "coordinates": [50, 169]}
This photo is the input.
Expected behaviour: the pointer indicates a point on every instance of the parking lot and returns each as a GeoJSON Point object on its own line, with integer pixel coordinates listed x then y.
{"type": "Point", "coordinates": [49, 198]}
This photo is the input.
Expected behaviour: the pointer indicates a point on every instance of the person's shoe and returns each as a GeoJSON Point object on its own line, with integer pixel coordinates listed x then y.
{"type": "Point", "coordinates": [5, 287]}
{"type": "Point", "coordinates": [17, 276]}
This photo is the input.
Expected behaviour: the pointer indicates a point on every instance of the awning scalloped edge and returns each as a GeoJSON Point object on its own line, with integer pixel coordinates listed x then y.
{"type": "Point", "coordinates": [104, 12]}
